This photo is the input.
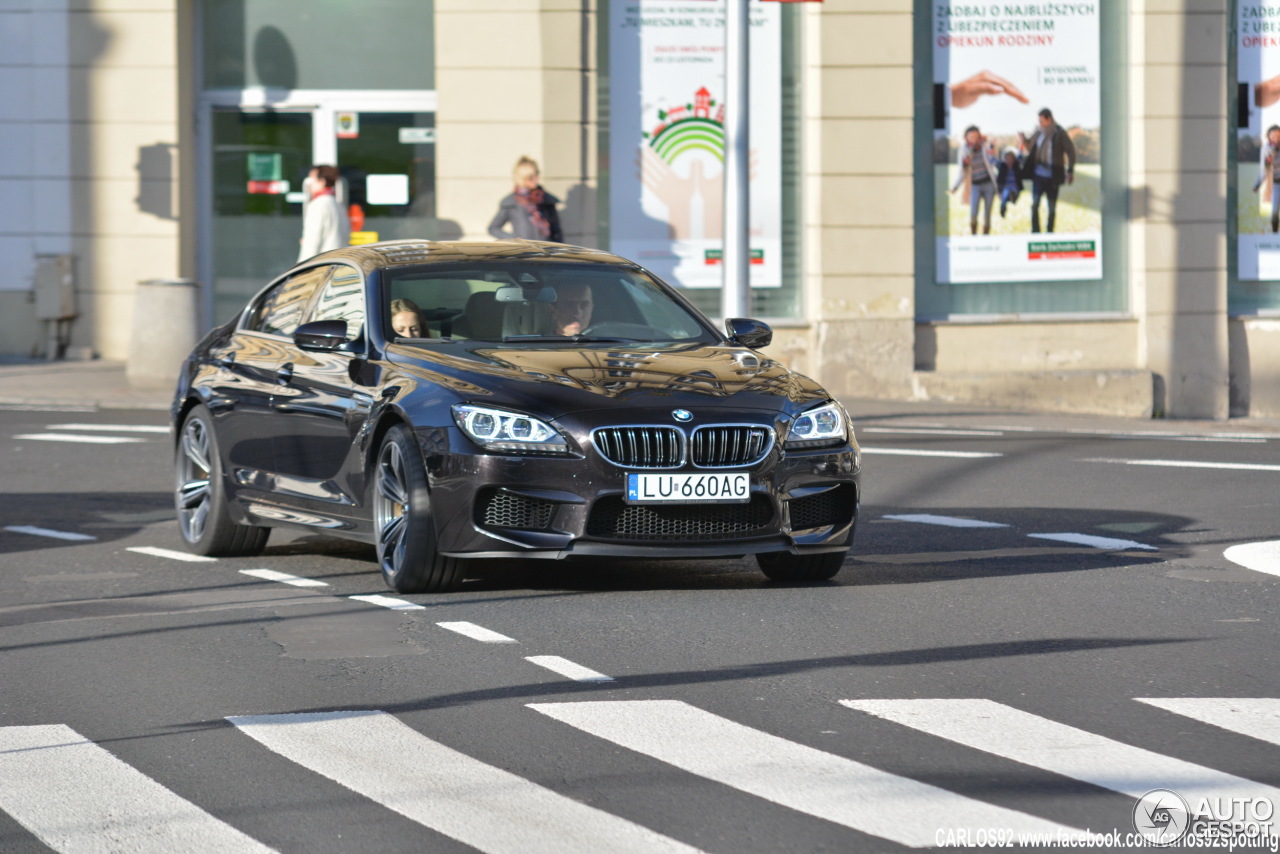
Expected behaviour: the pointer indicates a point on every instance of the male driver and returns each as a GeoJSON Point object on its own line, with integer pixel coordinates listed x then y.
{"type": "Point", "coordinates": [1051, 162]}
{"type": "Point", "coordinates": [571, 312]}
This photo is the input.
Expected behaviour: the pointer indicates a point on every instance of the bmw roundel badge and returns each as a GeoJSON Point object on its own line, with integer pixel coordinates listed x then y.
{"type": "Point", "coordinates": [682, 415]}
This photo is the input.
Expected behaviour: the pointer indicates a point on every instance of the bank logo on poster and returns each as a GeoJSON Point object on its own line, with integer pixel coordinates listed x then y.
{"type": "Point", "coordinates": [667, 142]}
{"type": "Point", "coordinates": [1017, 142]}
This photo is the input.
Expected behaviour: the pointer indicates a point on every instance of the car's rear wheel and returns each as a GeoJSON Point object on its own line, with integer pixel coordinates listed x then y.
{"type": "Point", "coordinates": [199, 495]}
{"type": "Point", "coordinates": [406, 533]}
{"type": "Point", "coordinates": [784, 566]}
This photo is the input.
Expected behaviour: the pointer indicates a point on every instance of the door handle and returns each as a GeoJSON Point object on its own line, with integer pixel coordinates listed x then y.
{"type": "Point", "coordinates": [285, 373]}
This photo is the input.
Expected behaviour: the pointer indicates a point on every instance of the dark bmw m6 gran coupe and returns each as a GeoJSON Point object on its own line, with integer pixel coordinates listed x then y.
{"type": "Point", "coordinates": [451, 402]}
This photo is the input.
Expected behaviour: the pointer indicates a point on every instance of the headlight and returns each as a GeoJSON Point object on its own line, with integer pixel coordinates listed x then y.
{"type": "Point", "coordinates": [497, 430]}
{"type": "Point", "coordinates": [823, 425]}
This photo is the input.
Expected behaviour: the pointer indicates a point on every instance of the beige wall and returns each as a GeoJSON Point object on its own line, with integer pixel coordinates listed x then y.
{"type": "Point", "coordinates": [1255, 367]}
{"type": "Point", "coordinates": [104, 180]}
{"type": "Point", "coordinates": [1023, 346]}
{"type": "Point", "coordinates": [1178, 157]}
{"type": "Point", "coordinates": [858, 188]}
{"type": "Point", "coordinates": [511, 81]}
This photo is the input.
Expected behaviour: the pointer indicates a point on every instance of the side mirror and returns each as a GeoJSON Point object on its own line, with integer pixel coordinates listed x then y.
{"type": "Point", "coordinates": [322, 336]}
{"type": "Point", "coordinates": [747, 332]}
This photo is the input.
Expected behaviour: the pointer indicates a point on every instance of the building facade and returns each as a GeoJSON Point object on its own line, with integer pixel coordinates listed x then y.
{"type": "Point", "coordinates": [168, 139]}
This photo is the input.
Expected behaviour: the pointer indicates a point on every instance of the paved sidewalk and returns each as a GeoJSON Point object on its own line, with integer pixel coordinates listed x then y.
{"type": "Point", "coordinates": [93, 385]}
{"type": "Point", "coordinates": [104, 385]}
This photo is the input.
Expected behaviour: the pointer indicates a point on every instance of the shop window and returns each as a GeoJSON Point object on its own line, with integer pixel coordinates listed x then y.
{"type": "Point", "coordinates": [1021, 201]}
{"type": "Point", "coordinates": [306, 44]}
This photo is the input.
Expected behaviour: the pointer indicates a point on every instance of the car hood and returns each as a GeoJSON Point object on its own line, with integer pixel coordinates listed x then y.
{"type": "Point", "coordinates": [559, 379]}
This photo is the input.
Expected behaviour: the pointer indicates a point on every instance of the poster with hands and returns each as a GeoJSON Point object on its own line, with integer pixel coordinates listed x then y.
{"type": "Point", "coordinates": [666, 139]}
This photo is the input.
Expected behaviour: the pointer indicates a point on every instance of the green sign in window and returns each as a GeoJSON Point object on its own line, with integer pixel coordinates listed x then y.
{"type": "Point", "coordinates": [265, 167]}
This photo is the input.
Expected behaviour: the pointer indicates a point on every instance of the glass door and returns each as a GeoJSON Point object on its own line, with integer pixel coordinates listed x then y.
{"type": "Point", "coordinates": [260, 158]}
{"type": "Point", "coordinates": [257, 154]}
{"type": "Point", "coordinates": [388, 161]}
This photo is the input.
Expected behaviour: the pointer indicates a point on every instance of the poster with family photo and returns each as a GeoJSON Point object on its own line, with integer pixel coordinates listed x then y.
{"type": "Point", "coordinates": [1017, 142]}
{"type": "Point", "coordinates": [1258, 143]}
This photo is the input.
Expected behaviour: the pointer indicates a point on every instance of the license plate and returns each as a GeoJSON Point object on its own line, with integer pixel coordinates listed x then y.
{"type": "Point", "coordinates": [707, 487]}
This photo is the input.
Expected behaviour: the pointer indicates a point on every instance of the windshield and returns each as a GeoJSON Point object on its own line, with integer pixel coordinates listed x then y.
{"type": "Point", "coordinates": [543, 302]}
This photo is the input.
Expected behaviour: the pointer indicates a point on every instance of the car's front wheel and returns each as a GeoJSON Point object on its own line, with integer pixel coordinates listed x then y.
{"type": "Point", "coordinates": [199, 495]}
{"type": "Point", "coordinates": [784, 566]}
{"type": "Point", "coordinates": [402, 518]}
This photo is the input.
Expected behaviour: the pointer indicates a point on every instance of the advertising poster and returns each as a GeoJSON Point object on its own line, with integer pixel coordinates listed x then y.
{"type": "Point", "coordinates": [666, 139]}
{"type": "Point", "coordinates": [1017, 196]}
{"type": "Point", "coordinates": [1258, 146]}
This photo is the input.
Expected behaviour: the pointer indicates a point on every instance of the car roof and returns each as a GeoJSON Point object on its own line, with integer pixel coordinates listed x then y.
{"type": "Point", "coordinates": [404, 253]}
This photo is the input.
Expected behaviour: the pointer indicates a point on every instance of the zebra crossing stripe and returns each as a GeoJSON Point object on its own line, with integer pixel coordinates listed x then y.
{"type": "Point", "coordinates": [1032, 740]}
{"type": "Point", "coordinates": [78, 798]}
{"type": "Point", "coordinates": [805, 779]}
{"type": "Point", "coordinates": [377, 756]}
{"type": "Point", "coordinates": [1255, 717]}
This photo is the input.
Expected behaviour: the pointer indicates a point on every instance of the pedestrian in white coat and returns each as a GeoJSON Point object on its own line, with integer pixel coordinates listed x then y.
{"type": "Point", "coordinates": [324, 223]}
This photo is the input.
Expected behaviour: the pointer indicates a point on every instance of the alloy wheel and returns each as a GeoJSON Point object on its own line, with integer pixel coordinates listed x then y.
{"type": "Point", "coordinates": [391, 508]}
{"type": "Point", "coordinates": [194, 498]}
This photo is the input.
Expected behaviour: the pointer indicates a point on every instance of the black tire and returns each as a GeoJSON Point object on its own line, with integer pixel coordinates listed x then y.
{"type": "Point", "coordinates": [406, 533]}
{"type": "Point", "coordinates": [784, 566]}
{"type": "Point", "coordinates": [200, 498]}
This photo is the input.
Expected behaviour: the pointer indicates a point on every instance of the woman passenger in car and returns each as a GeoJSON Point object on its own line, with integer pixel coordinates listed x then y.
{"type": "Point", "coordinates": [406, 322]}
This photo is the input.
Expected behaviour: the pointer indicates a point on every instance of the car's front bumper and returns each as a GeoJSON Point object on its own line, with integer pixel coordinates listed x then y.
{"type": "Point", "coordinates": [490, 505]}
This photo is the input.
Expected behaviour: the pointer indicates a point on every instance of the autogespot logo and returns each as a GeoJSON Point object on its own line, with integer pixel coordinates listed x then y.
{"type": "Point", "coordinates": [1161, 816]}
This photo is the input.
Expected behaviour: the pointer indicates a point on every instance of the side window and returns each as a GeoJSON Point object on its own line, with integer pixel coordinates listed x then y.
{"type": "Point", "coordinates": [282, 307]}
{"type": "Point", "coordinates": [342, 298]}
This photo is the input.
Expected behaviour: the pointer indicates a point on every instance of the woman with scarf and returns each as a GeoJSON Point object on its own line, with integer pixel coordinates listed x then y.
{"type": "Point", "coordinates": [531, 210]}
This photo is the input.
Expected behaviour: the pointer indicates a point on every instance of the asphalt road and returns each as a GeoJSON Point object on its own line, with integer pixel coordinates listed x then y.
{"type": "Point", "coordinates": [1010, 648]}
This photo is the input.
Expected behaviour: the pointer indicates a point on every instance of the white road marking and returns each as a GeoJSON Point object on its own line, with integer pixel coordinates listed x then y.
{"type": "Point", "coordinates": [1236, 440]}
{"type": "Point", "coordinates": [948, 521]}
{"type": "Point", "coordinates": [803, 778]}
{"type": "Point", "coordinates": [1112, 543]}
{"type": "Point", "coordinates": [1032, 740]}
{"type": "Point", "coordinates": [908, 452]}
{"type": "Point", "coordinates": [475, 632]}
{"type": "Point", "coordinates": [1260, 557]}
{"type": "Point", "coordinates": [110, 428]}
{"type": "Point", "coordinates": [389, 602]}
{"type": "Point", "coordinates": [567, 668]}
{"type": "Point", "coordinates": [86, 440]}
{"type": "Point", "coordinates": [172, 555]}
{"type": "Point", "coordinates": [479, 805]}
{"type": "Point", "coordinates": [931, 431]}
{"type": "Point", "coordinates": [283, 578]}
{"type": "Point", "coordinates": [77, 797]}
{"type": "Point", "coordinates": [48, 532]}
{"type": "Point", "coordinates": [44, 407]}
{"type": "Point", "coordinates": [1255, 717]}
{"type": "Point", "coordinates": [1145, 434]}
{"type": "Point", "coordinates": [1188, 464]}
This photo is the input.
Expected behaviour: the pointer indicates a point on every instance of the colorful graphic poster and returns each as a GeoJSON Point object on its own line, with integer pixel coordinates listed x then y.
{"type": "Point", "coordinates": [1258, 145]}
{"type": "Point", "coordinates": [666, 139]}
{"type": "Point", "coordinates": [1017, 195]}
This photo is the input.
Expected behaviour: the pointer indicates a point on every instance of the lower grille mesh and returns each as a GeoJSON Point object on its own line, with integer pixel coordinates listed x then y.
{"type": "Point", "coordinates": [502, 509]}
{"type": "Point", "coordinates": [613, 519]}
{"type": "Point", "coordinates": [831, 508]}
